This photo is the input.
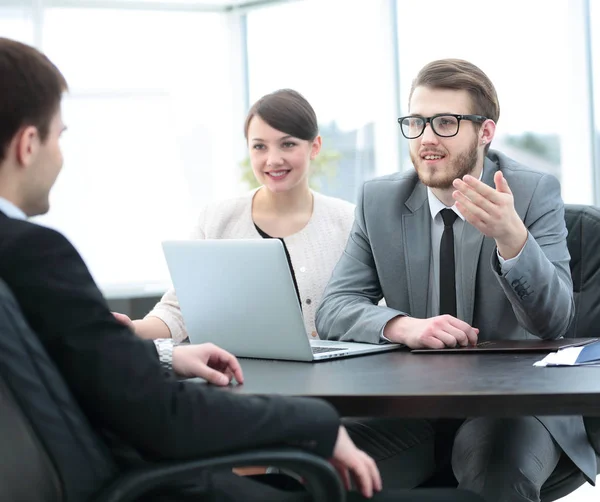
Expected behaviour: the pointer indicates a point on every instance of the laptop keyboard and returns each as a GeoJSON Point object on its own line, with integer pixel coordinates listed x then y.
{"type": "Point", "coordinates": [320, 350]}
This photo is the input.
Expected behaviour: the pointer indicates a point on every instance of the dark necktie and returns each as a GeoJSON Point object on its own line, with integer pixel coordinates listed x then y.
{"type": "Point", "coordinates": [447, 268]}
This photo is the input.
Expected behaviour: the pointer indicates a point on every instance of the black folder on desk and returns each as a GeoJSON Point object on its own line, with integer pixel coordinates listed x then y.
{"type": "Point", "coordinates": [519, 346]}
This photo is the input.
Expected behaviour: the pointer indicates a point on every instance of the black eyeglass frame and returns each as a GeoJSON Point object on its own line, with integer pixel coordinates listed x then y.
{"type": "Point", "coordinates": [428, 120]}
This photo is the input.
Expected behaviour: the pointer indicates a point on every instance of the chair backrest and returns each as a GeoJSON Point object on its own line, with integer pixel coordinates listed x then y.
{"type": "Point", "coordinates": [26, 472]}
{"type": "Point", "coordinates": [58, 452]}
{"type": "Point", "coordinates": [583, 241]}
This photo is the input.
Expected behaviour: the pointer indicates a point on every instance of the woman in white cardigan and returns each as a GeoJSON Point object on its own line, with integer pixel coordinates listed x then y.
{"type": "Point", "coordinates": [282, 135]}
{"type": "Point", "coordinates": [283, 138]}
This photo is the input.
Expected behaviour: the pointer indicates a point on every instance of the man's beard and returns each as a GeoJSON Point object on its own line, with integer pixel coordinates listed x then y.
{"type": "Point", "coordinates": [463, 164]}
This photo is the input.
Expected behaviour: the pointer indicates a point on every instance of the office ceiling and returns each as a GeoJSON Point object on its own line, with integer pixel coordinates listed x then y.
{"type": "Point", "coordinates": [200, 5]}
{"type": "Point", "coordinates": [216, 4]}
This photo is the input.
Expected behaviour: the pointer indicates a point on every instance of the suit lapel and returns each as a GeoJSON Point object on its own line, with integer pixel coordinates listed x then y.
{"type": "Point", "coordinates": [417, 249]}
{"type": "Point", "coordinates": [471, 252]}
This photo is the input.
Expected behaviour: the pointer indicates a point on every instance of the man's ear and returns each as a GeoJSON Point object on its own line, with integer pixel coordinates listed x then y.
{"type": "Point", "coordinates": [27, 142]}
{"type": "Point", "coordinates": [487, 131]}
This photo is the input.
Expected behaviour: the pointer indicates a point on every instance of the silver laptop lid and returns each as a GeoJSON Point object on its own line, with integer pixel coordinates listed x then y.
{"type": "Point", "coordinates": [240, 295]}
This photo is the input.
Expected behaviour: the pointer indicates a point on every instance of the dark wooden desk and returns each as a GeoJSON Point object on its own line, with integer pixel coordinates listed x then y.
{"type": "Point", "coordinates": [402, 384]}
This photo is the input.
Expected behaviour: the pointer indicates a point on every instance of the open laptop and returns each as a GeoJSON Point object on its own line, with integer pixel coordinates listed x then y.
{"type": "Point", "coordinates": [532, 345]}
{"type": "Point", "coordinates": [240, 295]}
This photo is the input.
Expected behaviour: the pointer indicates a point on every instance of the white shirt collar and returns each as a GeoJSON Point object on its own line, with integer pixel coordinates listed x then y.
{"type": "Point", "coordinates": [436, 205]}
{"type": "Point", "coordinates": [10, 210]}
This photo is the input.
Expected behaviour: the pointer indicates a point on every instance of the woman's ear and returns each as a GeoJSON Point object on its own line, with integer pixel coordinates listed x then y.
{"type": "Point", "coordinates": [315, 147]}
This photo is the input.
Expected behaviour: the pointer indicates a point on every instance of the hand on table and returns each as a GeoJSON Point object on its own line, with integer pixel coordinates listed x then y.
{"type": "Point", "coordinates": [207, 361]}
{"type": "Point", "coordinates": [433, 333]}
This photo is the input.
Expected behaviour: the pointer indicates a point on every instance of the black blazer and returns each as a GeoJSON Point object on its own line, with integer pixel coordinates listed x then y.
{"type": "Point", "coordinates": [117, 377]}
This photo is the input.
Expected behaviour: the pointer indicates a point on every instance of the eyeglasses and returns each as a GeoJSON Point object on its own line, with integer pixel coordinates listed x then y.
{"type": "Point", "coordinates": [444, 125]}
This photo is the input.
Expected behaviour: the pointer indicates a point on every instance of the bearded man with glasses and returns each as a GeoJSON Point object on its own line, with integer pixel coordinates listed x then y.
{"type": "Point", "coordinates": [469, 247]}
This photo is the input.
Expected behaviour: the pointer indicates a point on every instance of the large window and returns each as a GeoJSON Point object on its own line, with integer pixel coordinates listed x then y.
{"type": "Point", "coordinates": [17, 23]}
{"type": "Point", "coordinates": [150, 114]}
{"type": "Point", "coordinates": [338, 55]}
{"type": "Point", "coordinates": [521, 46]}
{"type": "Point", "coordinates": [158, 96]}
{"type": "Point", "coordinates": [594, 28]}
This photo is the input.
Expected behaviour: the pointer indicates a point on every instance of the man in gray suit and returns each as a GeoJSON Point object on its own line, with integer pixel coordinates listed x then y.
{"type": "Point", "coordinates": [470, 246]}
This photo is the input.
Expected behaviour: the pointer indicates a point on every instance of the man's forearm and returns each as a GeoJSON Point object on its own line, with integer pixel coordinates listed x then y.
{"type": "Point", "coordinates": [539, 291]}
{"type": "Point", "coordinates": [393, 330]}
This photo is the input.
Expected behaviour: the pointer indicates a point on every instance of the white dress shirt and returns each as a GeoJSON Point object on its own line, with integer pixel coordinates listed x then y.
{"type": "Point", "coordinates": [10, 210]}
{"type": "Point", "coordinates": [437, 229]}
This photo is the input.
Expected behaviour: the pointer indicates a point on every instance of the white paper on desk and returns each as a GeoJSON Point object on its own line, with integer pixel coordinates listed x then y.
{"type": "Point", "coordinates": [564, 357]}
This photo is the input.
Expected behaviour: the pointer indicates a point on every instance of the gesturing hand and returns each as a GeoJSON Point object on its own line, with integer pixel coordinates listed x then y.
{"type": "Point", "coordinates": [207, 361]}
{"type": "Point", "coordinates": [492, 212]}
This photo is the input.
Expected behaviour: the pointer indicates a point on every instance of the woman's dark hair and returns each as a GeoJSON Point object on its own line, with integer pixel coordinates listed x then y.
{"type": "Point", "coordinates": [287, 111]}
{"type": "Point", "coordinates": [31, 89]}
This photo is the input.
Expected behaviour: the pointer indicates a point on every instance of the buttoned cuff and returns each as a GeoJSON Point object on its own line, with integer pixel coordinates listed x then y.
{"type": "Point", "coordinates": [507, 265]}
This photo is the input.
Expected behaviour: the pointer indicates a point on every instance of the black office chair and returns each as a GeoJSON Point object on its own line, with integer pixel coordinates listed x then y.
{"type": "Point", "coordinates": [583, 241]}
{"type": "Point", "coordinates": [50, 453]}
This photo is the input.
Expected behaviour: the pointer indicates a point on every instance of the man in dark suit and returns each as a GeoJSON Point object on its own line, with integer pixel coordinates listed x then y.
{"type": "Point", "coordinates": [115, 376]}
{"type": "Point", "coordinates": [469, 246]}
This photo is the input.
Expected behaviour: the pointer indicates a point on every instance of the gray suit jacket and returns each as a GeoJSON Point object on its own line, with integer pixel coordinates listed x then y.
{"type": "Point", "coordinates": [388, 256]}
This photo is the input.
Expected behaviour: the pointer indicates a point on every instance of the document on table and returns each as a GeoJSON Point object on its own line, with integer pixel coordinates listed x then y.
{"type": "Point", "coordinates": [588, 355]}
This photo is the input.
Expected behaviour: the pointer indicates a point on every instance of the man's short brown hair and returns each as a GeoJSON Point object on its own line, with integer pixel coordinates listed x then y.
{"type": "Point", "coordinates": [458, 74]}
{"type": "Point", "coordinates": [31, 89]}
